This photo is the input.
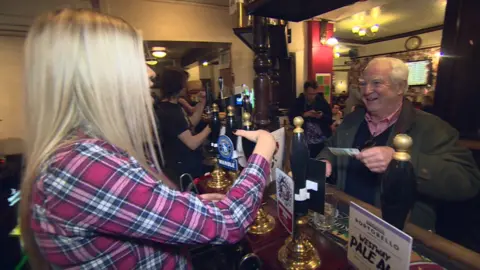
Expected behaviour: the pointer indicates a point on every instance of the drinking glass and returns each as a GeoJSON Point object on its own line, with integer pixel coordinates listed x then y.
{"type": "Point", "coordinates": [326, 221]}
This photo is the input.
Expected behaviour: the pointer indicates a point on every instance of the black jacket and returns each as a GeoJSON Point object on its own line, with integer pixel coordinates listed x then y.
{"type": "Point", "coordinates": [301, 106]}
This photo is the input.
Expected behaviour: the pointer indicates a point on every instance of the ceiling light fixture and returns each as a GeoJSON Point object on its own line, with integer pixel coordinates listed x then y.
{"type": "Point", "coordinates": [337, 55]}
{"type": "Point", "coordinates": [332, 42]}
{"type": "Point", "coordinates": [205, 63]}
{"type": "Point", "coordinates": [159, 54]}
{"type": "Point", "coordinates": [355, 29]}
{"type": "Point", "coordinates": [362, 32]}
{"type": "Point", "coordinates": [374, 28]}
{"type": "Point", "coordinates": [151, 62]}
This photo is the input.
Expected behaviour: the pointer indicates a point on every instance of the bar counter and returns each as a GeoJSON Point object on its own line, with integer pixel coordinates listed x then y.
{"type": "Point", "coordinates": [430, 251]}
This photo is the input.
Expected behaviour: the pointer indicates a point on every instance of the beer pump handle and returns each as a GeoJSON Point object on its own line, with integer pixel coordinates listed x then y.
{"type": "Point", "coordinates": [299, 158]}
{"type": "Point", "coordinates": [398, 184]}
{"type": "Point", "coordinates": [247, 145]}
{"type": "Point", "coordinates": [215, 124]}
{"type": "Point", "coordinates": [208, 95]}
{"type": "Point", "coordinates": [231, 124]}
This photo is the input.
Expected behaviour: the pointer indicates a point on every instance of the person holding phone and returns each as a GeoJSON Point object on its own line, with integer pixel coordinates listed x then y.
{"type": "Point", "coordinates": [316, 111]}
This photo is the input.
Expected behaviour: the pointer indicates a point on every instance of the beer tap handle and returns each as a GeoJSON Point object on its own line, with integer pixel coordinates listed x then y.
{"type": "Point", "coordinates": [247, 145]}
{"type": "Point", "coordinates": [215, 124]}
{"type": "Point", "coordinates": [398, 184]}
{"type": "Point", "coordinates": [231, 124]}
{"type": "Point", "coordinates": [299, 158]}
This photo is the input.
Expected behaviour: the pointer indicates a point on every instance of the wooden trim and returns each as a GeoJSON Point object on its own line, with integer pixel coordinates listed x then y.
{"type": "Point", "coordinates": [433, 241]}
{"type": "Point", "coordinates": [397, 36]}
{"type": "Point", "coordinates": [470, 144]}
{"type": "Point", "coordinates": [239, 31]}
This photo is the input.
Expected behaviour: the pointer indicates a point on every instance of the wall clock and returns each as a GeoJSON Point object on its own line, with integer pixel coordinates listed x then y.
{"type": "Point", "coordinates": [413, 43]}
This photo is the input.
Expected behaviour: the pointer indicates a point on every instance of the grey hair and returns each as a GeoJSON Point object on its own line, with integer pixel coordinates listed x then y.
{"type": "Point", "coordinates": [399, 72]}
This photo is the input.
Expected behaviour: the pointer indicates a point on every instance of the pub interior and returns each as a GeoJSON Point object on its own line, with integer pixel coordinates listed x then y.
{"type": "Point", "coordinates": [283, 66]}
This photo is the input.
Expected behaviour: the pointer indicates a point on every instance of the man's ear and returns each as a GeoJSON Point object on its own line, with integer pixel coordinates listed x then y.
{"type": "Point", "coordinates": [401, 87]}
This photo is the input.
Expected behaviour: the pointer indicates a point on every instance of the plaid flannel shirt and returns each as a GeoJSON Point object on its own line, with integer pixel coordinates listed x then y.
{"type": "Point", "coordinates": [95, 207]}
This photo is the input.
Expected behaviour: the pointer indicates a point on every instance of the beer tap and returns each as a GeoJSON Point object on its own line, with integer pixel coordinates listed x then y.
{"type": "Point", "coordinates": [209, 99]}
{"type": "Point", "coordinates": [398, 185]}
{"type": "Point", "coordinates": [222, 93]}
{"type": "Point", "coordinates": [218, 181]}
{"type": "Point", "coordinates": [229, 129]}
{"type": "Point", "coordinates": [264, 222]}
{"type": "Point", "coordinates": [298, 252]}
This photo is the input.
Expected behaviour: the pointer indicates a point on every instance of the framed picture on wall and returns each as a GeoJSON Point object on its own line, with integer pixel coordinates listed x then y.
{"type": "Point", "coordinates": [324, 81]}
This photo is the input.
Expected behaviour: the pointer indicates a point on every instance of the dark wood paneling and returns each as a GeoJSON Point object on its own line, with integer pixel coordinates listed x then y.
{"type": "Point", "coordinates": [294, 10]}
{"type": "Point", "coordinates": [457, 96]}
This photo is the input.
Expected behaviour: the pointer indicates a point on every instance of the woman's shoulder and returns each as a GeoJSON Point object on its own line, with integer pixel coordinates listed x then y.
{"type": "Point", "coordinates": [86, 152]}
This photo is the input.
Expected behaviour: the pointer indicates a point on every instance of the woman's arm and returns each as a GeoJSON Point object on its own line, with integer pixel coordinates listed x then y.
{"type": "Point", "coordinates": [197, 114]}
{"type": "Point", "coordinates": [186, 106]}
{"type": "Point", "coordinates": [116, 196]}
{"type": "Point", "coordinates": [194, 141]}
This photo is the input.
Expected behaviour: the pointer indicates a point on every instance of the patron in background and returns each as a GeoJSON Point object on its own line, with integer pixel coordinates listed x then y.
{"type": "Point", "coordinates": [91, 199]}
{"type": "Point", "coordinates": [445, 171]}
{"type": "Point", "coordinates": [337, 116]}
{"type": "Point", "coordinates": [313, 107]}
{"type": "Point", "coordinates": [183, 147]}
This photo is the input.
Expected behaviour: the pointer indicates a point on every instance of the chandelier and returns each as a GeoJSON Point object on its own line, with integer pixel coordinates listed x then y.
{"type": "Point", "coordinates": [366, 23]}
{"type": "Point", "coordinates": [363, 31]}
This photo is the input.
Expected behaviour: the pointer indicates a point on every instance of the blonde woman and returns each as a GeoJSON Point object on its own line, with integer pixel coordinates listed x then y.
{"type": "Point", "coordinates": [90, 199]}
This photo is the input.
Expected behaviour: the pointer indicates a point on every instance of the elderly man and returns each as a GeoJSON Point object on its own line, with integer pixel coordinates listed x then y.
{"type": "Point", "coordinates": [445, 171]}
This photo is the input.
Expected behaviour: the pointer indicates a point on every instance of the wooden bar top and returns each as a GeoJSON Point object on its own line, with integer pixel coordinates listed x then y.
{"type": "Point", "coordinates": [431, 240]}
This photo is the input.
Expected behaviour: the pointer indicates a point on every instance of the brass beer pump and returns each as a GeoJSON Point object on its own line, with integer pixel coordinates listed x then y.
{"type": "Point", "coordinates": [219, 180]}
{"type": "Point", "coordinates": [264, 222]}
{"type": "Point", "coordinates": [230, 128]}
{"type": "Point", "coordinates": [398, 187]}
{"type": "Point", "coordinates": [298, 252]}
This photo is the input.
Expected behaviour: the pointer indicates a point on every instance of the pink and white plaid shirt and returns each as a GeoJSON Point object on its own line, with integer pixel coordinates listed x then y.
{"type": "Point", "coordinates": [377, 127]}
{"type": "Point", "coordinates": [95, 207]}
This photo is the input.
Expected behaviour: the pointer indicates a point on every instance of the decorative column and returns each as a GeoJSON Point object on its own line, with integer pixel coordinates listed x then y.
{"type": "Point", "coordinates": [261, 64]}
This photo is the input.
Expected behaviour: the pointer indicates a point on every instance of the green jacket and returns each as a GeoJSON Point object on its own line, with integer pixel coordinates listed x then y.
{"type": "Point", "coordinates": [445, 171]}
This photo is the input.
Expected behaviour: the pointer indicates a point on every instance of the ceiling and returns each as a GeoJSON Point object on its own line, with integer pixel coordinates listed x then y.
{"type": "Point", "coordinates": [17, 15]}
{"type": "Point", "coordinates": [395, 17]}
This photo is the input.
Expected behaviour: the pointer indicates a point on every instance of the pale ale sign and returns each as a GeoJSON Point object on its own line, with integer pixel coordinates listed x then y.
{"type": "Point", "coordinates": [375, 244]}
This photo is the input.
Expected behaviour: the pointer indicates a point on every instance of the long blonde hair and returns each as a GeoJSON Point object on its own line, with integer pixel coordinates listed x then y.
{"type": "Point", "coordinates": [83, 69]}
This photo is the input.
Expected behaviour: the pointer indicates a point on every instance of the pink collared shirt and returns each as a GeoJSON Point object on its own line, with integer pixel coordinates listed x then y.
{"type": "Point", "coordinates": [377, 127]}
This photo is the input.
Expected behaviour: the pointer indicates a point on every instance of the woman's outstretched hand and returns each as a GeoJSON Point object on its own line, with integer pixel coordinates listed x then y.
{"type": "Point", "coordinates": [266, 144]}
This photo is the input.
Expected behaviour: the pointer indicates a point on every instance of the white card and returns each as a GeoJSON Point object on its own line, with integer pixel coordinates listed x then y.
{"type": "Point", "coordinates": [344, 151]}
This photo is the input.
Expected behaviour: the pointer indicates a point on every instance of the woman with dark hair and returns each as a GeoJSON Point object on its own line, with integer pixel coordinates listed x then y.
{"type": "Point", "coordinates": [182, 146]}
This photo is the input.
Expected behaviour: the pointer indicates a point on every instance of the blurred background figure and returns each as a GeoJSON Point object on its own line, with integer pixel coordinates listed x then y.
{"type": "Point", "coordinates": [316, 111]}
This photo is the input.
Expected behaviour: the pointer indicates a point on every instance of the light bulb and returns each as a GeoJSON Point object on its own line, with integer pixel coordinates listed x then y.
{"type": "Point", "coordinates": [337, 55]}
{"type": "Point", "coordinates": [362, 32]}
{"type": "Point", "coordinates": [159, 54]}
{"type": "Point", "coordinates": [355, 29]}
{"type": "Point", "coordinates": [205, 63]}
{"type": "Point", "coordinates": [332, 41]}
{"type": "Point", "coordinates": [151, 62]}
{"type": "Point", "coordinates": [374, 28]}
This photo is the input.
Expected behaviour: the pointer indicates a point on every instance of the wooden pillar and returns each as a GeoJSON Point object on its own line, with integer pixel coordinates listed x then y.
{"type": "Point", "coordinates": [457, 94]}
{"type": "Point", "coordinates": [275, 81]}
{"type": "Point", "coordinates": [261, 64]}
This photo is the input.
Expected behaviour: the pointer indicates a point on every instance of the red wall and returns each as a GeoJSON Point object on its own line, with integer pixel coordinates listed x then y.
{"type": "Point", "coordinates": [319, 57]}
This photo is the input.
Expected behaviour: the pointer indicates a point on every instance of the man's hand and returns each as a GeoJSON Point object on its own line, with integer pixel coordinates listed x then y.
{"type": "Point", "coordinates": [376, 159]}
{"type": "Point", "coordinates": [310, 113]}
{"type": "Point", "coordinates": [214, 197]}
{"type": "Point", "coordinates": [318, 115]}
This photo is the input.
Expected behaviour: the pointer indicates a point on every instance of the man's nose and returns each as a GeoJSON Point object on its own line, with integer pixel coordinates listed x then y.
{"type": "Point", "coordinates": [368, 89]}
